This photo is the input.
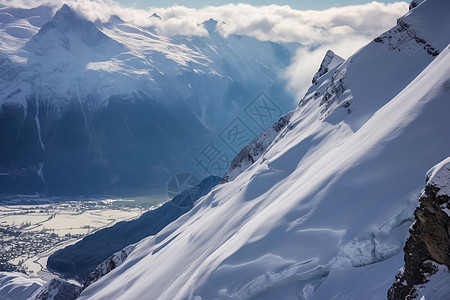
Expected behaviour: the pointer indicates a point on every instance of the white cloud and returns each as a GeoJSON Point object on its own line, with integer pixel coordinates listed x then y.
{"type": "Point", "coordinates": [343, 29]}
{"type": "Point", "coordinates": [307, 61]}
{"type": "Point", "coordinates": [272, 22]}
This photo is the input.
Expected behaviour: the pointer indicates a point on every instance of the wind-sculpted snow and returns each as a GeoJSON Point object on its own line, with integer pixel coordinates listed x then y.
{"type": "Point", "coordinates": [253, 151]}
{"type": "Point", "coordinates": [324, 212]}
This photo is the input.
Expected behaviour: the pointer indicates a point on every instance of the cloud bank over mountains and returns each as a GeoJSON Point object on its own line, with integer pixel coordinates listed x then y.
{"type": "Point", "coordinates": [273, 22]}
{"type": "Point", "coordinates": [343, 29]}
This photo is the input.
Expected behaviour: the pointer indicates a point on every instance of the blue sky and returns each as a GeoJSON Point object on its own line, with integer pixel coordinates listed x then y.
{"type": "Point", "coordinates": [302, 4]}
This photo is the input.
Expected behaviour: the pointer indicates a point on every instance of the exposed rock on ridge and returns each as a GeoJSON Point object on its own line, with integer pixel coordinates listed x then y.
{"type": "Point", "coordinates": [251, 152]}
{"type": "Point", "coordinates": [427, 250]}
{"type": "Point", "coordinates": [402, 35]}
{"type": "Point", "coordinates": [330, 61]}
{"type": "Point", "coordinates": [107, 266]}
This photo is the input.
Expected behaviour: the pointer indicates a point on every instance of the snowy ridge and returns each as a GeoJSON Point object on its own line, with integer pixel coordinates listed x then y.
{"type": "Point", "coordinates": [327, 189]}
{"type": "Point", "coordinates": [439, 176]}
{"type": "Point", "coordinates": [253, 151]}
{"type": "Point", "coordinates": [322, 83]}
{"type": "Point", "coordinates": [416, 39]}
{"type": "Point", "coordinates": [415, 3]}
{"type": "Point", "coordinates": [330, 61]}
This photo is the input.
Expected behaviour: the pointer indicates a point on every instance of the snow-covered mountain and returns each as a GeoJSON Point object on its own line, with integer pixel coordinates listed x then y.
{"type": "Point", "coordinates": [113, 105]}
{"type": "Point", "coordinates": [324, 212]}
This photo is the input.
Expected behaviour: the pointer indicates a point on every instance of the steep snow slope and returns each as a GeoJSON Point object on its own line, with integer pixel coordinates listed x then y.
{"type": "Point", "coordinates": [17, 26]}
{"type": "Point", "coordinates": [362, 78]}
{"type": "Point", "coordinates": [100, 101]}
{"type": "Point", "coordinates": [18, 286]}
{"type": "Point", "coordinates": [251, 152]}
{"type": "Point", "coordinates": [82, 258]}
{"type": "Point", "coordinates": [324, 213]}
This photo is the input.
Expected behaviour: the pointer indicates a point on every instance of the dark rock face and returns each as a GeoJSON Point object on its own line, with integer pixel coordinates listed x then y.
{"type": "Point", "coordinates": [20, 152]}
{"type": "Point", "coordinates": [115, 148]}
{"type": "Point", "coordinates": [429, 242]}
{"type": "Point", "coordinates": [333, 92]}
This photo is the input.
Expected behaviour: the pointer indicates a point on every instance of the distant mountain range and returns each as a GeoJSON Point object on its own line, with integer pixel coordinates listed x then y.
{"type": "Point", "coordinates": [93, 108]}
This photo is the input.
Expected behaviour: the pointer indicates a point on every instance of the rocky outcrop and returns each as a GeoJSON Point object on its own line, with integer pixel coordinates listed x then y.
{"type": "Point", "coordinates": [427, 250]}
{"type": "Point", "coordinates": [330, 61]}
{"type": "Point", "coordinates": [323, 80]}
{"type": "Point", "coordinates": [108, 265]}
{"type": "Point", "coordinates": [251, 152]}
{"type": "Point", "coordinates": [330, 99]}
{"type": "Point", "coordinates": [414, 3]}
{"type": "Point", "coordinates": [404, 35]}
{"type": "Point", "coordinates": [57, 289]}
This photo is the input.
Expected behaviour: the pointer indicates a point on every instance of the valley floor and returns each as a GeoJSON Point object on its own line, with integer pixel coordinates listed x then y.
{"type": "Point", "coordinates": [34, 227]}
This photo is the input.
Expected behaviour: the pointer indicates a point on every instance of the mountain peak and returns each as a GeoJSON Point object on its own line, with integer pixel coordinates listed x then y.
{"type": "Point", "coordinates": [65, 30]}
{"type": "Point", "coordinates": [65, 9]}
{"type": "Point", "coordinates": [155, 15]}
{"type": "Point", "coordinates": [64, 13]}
{"type": "Point", "coordinates": [210, 25]}
{"type": "Point", "coordinates": [116, 19]}
{"type": "Point", "coordinates": [330, 61]}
